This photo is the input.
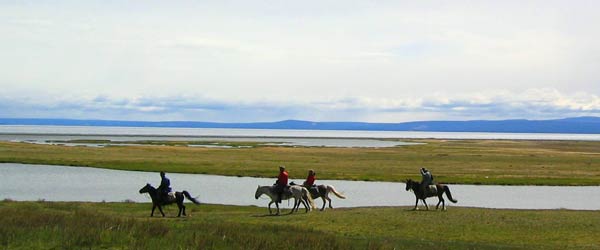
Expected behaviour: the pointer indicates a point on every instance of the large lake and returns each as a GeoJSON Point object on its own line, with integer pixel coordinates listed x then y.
{"type": "Point", "coordinates": [60, 183]}
{"type": "Point", "coordinates": [327, 138]}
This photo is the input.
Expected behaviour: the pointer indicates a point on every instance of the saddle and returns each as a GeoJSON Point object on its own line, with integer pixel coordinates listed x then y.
{"type": "Point", "coordinates": [431, 190]}
{"type": "Point", "coordinates": [286, 191]}
{"type": "Point", "coordinates": [314, 189]}
{"type": "Point", "coordinates": [170, 196]}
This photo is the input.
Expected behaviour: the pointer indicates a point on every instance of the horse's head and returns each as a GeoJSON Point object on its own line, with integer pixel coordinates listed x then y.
{"type": "Point", "coordinates": [409, 183]}
{"type": "Point", "coordinates": [146, 188]}
{"type": "Point", "coordinates": [258, 192]}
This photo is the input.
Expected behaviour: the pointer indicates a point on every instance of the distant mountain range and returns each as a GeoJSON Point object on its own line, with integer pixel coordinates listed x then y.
{"type": "Point", "coordinates": [576, 125]}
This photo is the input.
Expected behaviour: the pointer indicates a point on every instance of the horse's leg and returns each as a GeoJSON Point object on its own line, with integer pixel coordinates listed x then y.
{"type": "Point", "coordinates": [324, 203]}
{"type": "Point", "coordinates": [181, 209]}
{"type": "Point", "coordinates": [424, 202]}
{"type": "Point", "coordinates": [443, 203]}
{"type": "Point", "coordinates": [153, 208]}
{"type": "Point", "coordinates": [277, 205]}
{"type": "Point", "coordinates": [329, 199]}
{"type": "Point", "coordinates": [182, 205]}
{"type": "Point", "coordinates": [296, 203]}
{"type": "Point", "coordinates": [160, 209]}
{"type": "Point", "coordinates": [306, 206]}
{"type": "Point", "coordinates": [441, 199]}
{"type": "Point", "coordinates": [416, 203]}
{"type": "Point", "coordinates": [270, 212]}
{"type": "Point", "coordinates": [304, 203]}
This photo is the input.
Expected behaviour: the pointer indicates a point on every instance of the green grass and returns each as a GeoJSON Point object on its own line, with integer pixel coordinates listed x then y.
{"type": "Point", "coordinates": [451, 161]}
{"type": "Point", "coordinates": [48, 225]}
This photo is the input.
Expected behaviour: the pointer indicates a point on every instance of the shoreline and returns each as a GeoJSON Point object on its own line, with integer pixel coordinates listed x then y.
{"type": "Point", "coordinates": [478, 162]}
{"type": "Point", "coordinates": [248, 176]}
{"type": "Point", "coordinates": [55, 130]}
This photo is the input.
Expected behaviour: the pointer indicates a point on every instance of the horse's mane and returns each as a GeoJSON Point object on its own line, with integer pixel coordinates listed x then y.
{"type": "Point", "coordinates": [413, 181]}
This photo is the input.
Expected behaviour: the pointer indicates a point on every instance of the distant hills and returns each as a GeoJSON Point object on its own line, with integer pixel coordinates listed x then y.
{"type": "Point", "coordinates": [576, 125]}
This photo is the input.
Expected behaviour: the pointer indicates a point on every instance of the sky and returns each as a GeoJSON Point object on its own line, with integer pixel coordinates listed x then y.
{"type": "Point", "coordinates": [257, 61]}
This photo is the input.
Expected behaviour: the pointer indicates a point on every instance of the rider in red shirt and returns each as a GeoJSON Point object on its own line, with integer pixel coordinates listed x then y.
{"type": "Point", "coordinates": [310, 179]}
{"type": "Point", "coordinates": [282, 182]}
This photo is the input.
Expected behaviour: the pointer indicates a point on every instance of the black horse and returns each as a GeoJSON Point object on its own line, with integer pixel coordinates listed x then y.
{"type": "Point", "coordinates": [159, 201]}
{"type": "Point", "coordinates": [421, 194]}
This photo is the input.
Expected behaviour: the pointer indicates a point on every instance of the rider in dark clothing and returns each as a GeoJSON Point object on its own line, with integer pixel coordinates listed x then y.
{"type": "Point", "coordinates": [282, 182]}
{"type": "Point", "coordinates": [165, 185]}
{"type": "Point", "coordinates": [427, 179]}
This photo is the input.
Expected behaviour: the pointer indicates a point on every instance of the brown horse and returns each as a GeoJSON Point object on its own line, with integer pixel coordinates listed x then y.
{"type": "Point", "coordinates": [158, 201]}
{"type": "Point", "coordinates": [420, 194]}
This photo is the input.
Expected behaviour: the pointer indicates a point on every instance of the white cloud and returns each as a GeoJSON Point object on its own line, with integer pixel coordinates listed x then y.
{"type": "Point", "coordinates": [381, 60]}
{"type": "Point", "coordinates": [530, 104]}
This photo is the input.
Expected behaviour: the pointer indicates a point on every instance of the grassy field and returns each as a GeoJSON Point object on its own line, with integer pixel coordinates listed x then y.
{"type": "Point", "coordinates": [48, 225]}
{"type": "Point", "coordinates": [451, 161]}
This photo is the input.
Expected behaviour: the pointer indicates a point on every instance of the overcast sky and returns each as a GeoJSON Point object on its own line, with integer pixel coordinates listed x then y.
{"type": "Point", "coordinates": [245, 61]}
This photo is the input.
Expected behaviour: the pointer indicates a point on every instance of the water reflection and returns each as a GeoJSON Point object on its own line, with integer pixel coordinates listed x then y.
{"type": "Point", "coordinates": [60, 183]}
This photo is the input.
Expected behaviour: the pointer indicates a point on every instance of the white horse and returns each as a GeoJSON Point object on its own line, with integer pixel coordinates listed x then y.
{"type": "Point", "coordinates": [323, 191]}
{"type": "Point", "coordinates": [300, 195]}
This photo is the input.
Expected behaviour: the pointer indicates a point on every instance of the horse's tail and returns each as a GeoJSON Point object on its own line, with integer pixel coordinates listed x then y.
{"type": "Point", "coordinates": [308, 196]}
{"type": "Point", "coordinates": [332, 189]}
{"type": "Point", "coordinates": [189, 197]}
{"type": "Point", "coordinates": [447, 190]}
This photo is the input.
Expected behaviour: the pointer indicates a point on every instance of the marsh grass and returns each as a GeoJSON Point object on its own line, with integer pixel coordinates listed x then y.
{"type": "Point", "coordinates": [63, 225]}
{"type": "Point", "coordinates": [452, 161]}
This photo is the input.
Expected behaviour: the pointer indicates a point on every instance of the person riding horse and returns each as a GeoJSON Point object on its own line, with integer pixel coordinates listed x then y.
{"type": "Point", "coordinates": [165, 186]}
{"type": "Point", "coordinates": [282, 183]}
{"type": "Point", "coordinates": [426, 181]}
{"type": "Point", "coordinates": [310, 182]}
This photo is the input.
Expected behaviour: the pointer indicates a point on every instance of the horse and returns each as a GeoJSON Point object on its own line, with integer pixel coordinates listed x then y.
{"type": "Point", "coordinates": [420, 194]}
{"type": "Point", "coordinates": [158, 201]}
{"type": "Point", "coordinates": [300, 195]}
{"type": "Point", "coordinates": [322, 191]}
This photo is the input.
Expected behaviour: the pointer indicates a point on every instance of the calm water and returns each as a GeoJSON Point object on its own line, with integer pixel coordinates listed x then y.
{"type": "Point", "coordinates": [44, 134]}
{"type": "Point", "coordinates": [59, 183]}
{"type": "Point", "coordinates": [280, 133]}
{"type": "Point", "coordinates": [326, 138]}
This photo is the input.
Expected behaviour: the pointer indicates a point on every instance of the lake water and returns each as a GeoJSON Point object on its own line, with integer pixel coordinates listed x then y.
{"type": "Point", "coordinates": [280, 133]}
{"type": "Point", "coordinates": [326, 138]}
{"type": "Point", "coordinates": [47, 134]}
{"type": "Point", "coordinates": [25, 182]}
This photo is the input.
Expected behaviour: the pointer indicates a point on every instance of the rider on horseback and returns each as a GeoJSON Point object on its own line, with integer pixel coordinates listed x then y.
{"type": "Point", "coordinates": [427, 180]}
{"type": "Point", "coordinates": [165, 186]}
{"type": "Point", "coordinates": [310, 182]}
{"type": "Point", "coordinates": [310, 179]}
{"type": "Point", "coordinates": [282, 182]}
